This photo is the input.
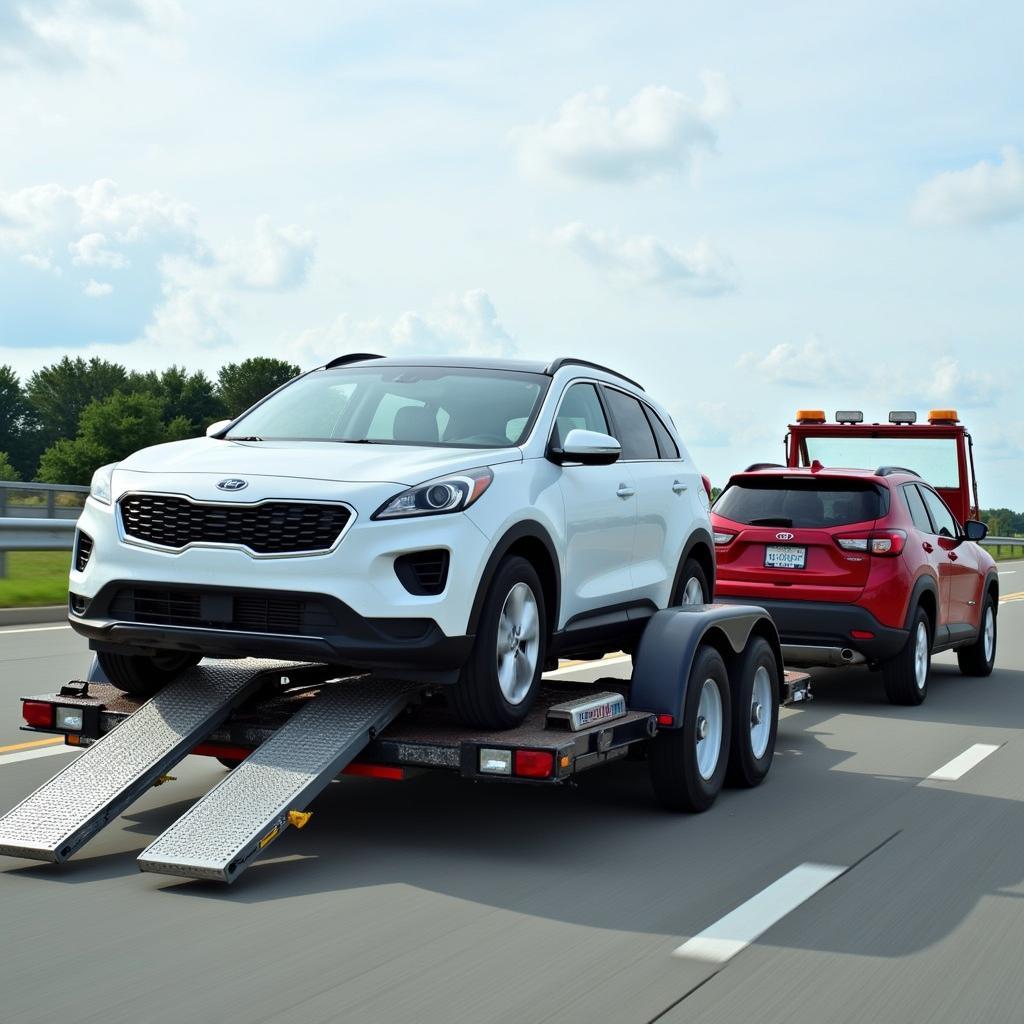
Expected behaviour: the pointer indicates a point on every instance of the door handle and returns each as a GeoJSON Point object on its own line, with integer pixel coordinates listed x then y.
{"type": "Point", "coordinates": [678, 487]}
{"type": "Point", "coordinates": [625, 491]}
{"type": "Point", "coordinates": [928, 547]}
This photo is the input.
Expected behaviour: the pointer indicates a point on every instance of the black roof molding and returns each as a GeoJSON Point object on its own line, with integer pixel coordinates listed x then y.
{"type": "Point", "coordinates": [892, 470]}
{"type": "Point", "coordinates": [352, 357]}
{"type": "Point", "coordinates": [554, 366]}
{"type": "Point", "coordinates": [755, 466]}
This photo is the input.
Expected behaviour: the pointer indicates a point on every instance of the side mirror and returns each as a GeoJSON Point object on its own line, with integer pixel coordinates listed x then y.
{"type": "Point", "coordinates": [975, 530]}
{"type": "Point", "coordinates": [588, 448]}
{"type": "Point", "coordinates": [215, 428]}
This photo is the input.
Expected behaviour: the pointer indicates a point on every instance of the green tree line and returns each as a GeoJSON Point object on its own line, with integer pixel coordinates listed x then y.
{"type": "Point", "coordinates": [74, 415]}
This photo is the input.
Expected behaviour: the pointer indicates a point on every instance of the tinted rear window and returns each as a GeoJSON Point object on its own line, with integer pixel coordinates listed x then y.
{"type": "Point", "coordinates": [803, 503]}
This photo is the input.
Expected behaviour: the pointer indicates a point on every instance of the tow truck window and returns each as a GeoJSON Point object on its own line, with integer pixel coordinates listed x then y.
{"type": "Point", "coordinates": [943, 519]}
{"type": "Point", "coordinates": [933, 458]}
{"type": "Point", "coordinates": [802, 503]}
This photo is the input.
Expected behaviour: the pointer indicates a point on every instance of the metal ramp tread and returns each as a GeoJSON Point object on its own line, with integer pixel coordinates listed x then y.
{"type": "Point", "coordinates": [66, 812]}
{"type": "Point", "coordinates": [220, 834]}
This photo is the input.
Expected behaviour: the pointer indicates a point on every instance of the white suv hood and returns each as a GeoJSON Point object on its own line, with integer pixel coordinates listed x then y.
{"type": "Point", "coordinates": [312, 460]}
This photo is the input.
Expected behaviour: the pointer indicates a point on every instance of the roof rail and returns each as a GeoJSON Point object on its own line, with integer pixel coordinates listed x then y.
{"type": "Point", "coordinates": [890, 470]}
{"type": "Point", "coordinates": [557, 364]}
{"type": "Point", "coordinates": [754, 466]}
{"type": "Point", "coordinates": [352, 357]}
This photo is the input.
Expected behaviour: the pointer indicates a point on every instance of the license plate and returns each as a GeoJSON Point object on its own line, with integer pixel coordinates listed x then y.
{"type": "Point", "coordinates": [784, 557]}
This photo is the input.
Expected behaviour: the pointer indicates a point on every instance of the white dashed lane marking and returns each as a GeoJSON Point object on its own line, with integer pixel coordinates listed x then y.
{"type": "Point", "coordinates": [963, 763]}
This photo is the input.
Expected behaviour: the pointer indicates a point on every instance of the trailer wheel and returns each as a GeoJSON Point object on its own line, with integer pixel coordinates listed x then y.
{"type": "Point", "coordinates": [142, 675]}
{"type": "Point", "coordinates": [688, 764]}
{"type": "Point", "coordinates": [755, 718]}
{"type": "Point", "coordinates": [498, 684]}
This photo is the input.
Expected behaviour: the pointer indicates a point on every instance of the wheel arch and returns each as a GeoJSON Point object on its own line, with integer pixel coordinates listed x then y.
{"type": "Point", "coordinates": [699, 545]}
{"type": "Point", "coordinates": [534, 543]}
{"type": "Point", "coordinates": [925, 595]}
{"type": "Point", "coordinates": [669, 644]}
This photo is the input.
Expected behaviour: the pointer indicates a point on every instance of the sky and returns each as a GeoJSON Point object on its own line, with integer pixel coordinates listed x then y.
{"type": "Point", "coordinates": [748, 207]}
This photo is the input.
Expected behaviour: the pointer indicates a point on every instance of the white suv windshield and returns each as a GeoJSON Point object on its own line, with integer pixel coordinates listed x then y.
{"type": "Point", "coordinates": [408, 405]}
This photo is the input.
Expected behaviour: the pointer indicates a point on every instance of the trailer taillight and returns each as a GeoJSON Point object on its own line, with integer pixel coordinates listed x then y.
{"type": "Point", "coordinates": [37, 713]}
{"type": "Point", "coordinates": [534, 764]}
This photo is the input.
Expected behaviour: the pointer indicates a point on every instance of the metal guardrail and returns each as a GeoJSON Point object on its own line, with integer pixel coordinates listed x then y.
{"type": "Point", "coordinates": [41, 501]}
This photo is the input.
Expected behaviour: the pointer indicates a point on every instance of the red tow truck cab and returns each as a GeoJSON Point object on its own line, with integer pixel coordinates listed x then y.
{"type": "Point", "coordinates": [940, 451]}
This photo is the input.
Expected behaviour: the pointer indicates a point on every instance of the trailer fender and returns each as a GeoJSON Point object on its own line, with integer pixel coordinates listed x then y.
{"type": "Point", "coordinates": [669, 644]}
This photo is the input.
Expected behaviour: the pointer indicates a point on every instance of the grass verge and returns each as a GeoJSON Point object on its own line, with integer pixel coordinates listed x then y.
{"type": "Point", "coordinates": [35, 578]}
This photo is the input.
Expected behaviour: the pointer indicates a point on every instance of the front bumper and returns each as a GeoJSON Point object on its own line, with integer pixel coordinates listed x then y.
{"type": "Point", "coordinates": [822, 624]}
{"type": "Point", "coordinates": [305, 627]}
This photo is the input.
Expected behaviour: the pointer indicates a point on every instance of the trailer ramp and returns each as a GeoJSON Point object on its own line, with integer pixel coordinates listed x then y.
{"type": "Point", "coordinates": [224, 831]}
{"type": "Point", "coordinates": [66, 812]}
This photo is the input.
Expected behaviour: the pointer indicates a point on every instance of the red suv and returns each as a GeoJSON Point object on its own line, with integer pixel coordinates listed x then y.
{"type": "Point", "coordinates": [859, 567]}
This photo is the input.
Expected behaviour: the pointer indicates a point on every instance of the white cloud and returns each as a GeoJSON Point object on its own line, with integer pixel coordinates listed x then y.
{"type": "Point", "coordinates": [174, 287]}
{"type": "Point", "coordinates": [648, 261]}
{"type": "Point", "coordinates": [983, 194]}
{"type": "Point", "coordinates": [657, 133]}
{"type": "Point", "coordinates": [58, 34]}
{"type": "Point", "coordinates": [465, 324]}
{"type": "Point", "coordinates": [274, 259]}
{"type": "Point", "coordinates": [952, 384]}
{"type": "Point", "coordinates": [811, 364]}
{"type": "Point", "coordinates": [97, 289]}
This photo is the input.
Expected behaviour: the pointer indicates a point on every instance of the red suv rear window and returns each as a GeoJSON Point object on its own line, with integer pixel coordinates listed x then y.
{"type": "Point", "coordinates": [804, 503]}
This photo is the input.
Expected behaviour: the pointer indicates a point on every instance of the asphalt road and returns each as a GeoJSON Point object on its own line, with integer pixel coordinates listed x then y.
{"type": "Point", "coordinates": [440, 900]}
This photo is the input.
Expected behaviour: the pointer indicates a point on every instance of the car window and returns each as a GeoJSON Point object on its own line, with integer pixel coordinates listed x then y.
{"type": "Point", "coordinates": [918, 512]}
{"type": "Point", "coordinates": [667, 447]}
{"type": "Point", "coordinates": [580, 410]}
{"type": "Point", "coordinates": [803, 503]}
{"type": "Point", "coordinates": [631, 427]}
{"type": "Point", "coordinates": [941, 516]}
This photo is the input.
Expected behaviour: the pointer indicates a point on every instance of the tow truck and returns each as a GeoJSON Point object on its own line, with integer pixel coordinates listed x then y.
{"type": "Point", "coordinates": [941, 451]}
{"type": "Point", "coordinates": [701, 704]}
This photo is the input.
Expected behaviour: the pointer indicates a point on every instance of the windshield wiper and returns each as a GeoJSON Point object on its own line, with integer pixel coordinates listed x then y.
{"type": "Point", "coordinates": [772, 521]}
{"type": "Point", "coordinates": [251, 437]}
{"type": "Point", "coordinates": [356, 440]}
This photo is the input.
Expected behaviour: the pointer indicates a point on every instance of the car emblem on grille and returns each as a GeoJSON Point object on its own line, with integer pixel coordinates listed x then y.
{"type": "Point", "coordinates": [232, 484]}
{"type": "Point", "coordinates": [778, 536]}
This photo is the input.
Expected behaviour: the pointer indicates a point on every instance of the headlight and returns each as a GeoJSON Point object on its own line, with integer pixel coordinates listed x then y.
{"type": "Point", "coordinates": [435, 497]}
{"type": "Point", "coordinates": [100, 486]}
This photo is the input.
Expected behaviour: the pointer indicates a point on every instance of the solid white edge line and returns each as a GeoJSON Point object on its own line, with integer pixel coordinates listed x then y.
{"type": "Point", "coordinates": [963, 763]}
{"type": "Point", "coordinates": [584, 666]}
{"type": "Point", "coordinates": [750, 920]}
{"type": "Point", "coordinates": [31, 755]}
{"type": "Point", "coordinates": [33, 629]}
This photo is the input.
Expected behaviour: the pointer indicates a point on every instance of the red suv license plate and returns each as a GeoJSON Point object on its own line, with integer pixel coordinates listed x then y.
{"type": "Point", "coordinates": [784, 557]}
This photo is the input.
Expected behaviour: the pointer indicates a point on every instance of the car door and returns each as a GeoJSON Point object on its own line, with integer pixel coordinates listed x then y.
{"type": "Point", "coordinates": [962, 568]}
{"type": "Point", "coordinates": [600, 514]}
{"type": "Point", "coordinates": [661, 498]}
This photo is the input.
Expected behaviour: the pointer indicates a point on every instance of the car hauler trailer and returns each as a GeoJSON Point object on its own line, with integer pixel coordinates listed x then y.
{"type": "Point", "coordinates": [702, 703]}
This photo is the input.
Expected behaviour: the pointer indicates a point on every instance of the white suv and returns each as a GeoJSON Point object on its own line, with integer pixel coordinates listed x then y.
{"type": "Point", "coordinates": [442, 520]}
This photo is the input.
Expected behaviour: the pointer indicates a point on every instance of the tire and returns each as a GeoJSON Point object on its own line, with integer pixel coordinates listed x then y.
{"type": "Point", "coordinates": [690, 578]}
{"type": "Point", "coordinates": [142, 675]}
{"type": "Point", "coordinates": [499, 683]}
{"type": "Point", "coordinates": [906, 675]}
{"type": "Point", "coordinates": [674, 759]}
{"type": "Point", "coordinates": [980, 658]}
{"type": "Point", "coordinates": [755, 718]}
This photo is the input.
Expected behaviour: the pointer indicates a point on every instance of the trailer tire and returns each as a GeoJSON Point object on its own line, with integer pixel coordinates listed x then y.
{"type": "Point", "coordinates": [142, 675]}
{"type": "Point", "coordinates": [685, 778]}
{"type": "Point", "coordinates": [755, 714]}
{"type": "Point", "coordinates": [486, 697]}
{"type": "Point", "coordinates": [980, 658]}
{"type": "Point", "coordinates": [906, 675]}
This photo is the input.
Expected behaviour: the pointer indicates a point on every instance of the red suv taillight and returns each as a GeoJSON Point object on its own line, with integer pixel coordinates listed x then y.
{"type": "Point", "coordinates": [886, 543]}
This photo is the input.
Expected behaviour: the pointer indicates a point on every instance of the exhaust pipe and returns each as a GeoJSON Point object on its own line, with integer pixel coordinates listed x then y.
{"type": "Point", "coordinates": [812, 656]}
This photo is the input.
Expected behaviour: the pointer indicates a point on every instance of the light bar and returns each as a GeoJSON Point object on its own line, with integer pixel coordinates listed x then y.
{"type": "Point", "coordinates": [810, 415]}
{"type": "Point", "coordinates": [943, 416]}
{"type": "Point", "coordinates": [849, 416]}
{"type": "Point", "coordinates": [903, 416]}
